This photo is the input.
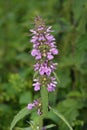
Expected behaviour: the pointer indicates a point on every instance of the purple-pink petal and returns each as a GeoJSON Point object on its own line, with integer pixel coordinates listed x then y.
{"type": "Point", "coordinates": [38, 56]}
{"type": "Point", "coordinates": [49, 56]}
{"type": "Point", "coordinates": [30, 106]}
{"type": "Point", "coordinates": [39, 112]}
{"type": "Point", "coordinates": [34, 52]}
{"type": "Point", "coordinates": [41, 70]}
{"type": "Point", "coordinates": [47, 71]}
{"type": "Point", "coordinates": [54, 51]}
{"type": "Point", "coordinates": [36, 66]}
{"type": "Point", "coordinates": [36, 86]}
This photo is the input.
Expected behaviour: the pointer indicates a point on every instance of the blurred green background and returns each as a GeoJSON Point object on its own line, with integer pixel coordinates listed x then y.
{"type": "Point", "coordinates": [69, 20]}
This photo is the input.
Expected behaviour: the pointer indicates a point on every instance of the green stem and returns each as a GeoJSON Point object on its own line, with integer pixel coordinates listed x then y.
{"type": "Point", "coordinates": [40, 122]}
{"type": "Point", "coordinates": [44, 99]}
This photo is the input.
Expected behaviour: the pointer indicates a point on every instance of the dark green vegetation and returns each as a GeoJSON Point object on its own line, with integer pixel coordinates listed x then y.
{"type": "Point", "coordinates": [69, 20]}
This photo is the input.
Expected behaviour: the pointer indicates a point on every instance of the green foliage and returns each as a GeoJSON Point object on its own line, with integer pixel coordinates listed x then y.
{"type": "Point", "coordinates": [61, 117]}
{"type": "Point", "coordinates": [70, 109]}
{"type": "Point", "coordinates": [50, 126]}
{"type": "Point", "coordinates": [69, 22]}
{"type": "Point", "coordinates": [27, 128]}
{"type": "Point", "coordinates": [19, 116]}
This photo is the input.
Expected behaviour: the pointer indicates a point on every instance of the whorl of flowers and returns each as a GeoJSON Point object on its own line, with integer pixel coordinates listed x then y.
{"type": "Point", "coordinates": [44, 49]}
{"type": "Point", "coordinates": [37, 104]}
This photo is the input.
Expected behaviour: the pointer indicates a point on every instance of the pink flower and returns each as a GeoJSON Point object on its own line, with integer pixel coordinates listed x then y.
{"type": "Point", "coordinates": [50, 56]}
{"type": "Point", "coordinates": [54, 51]}
{"type": "Point", "coordinates": [36, 103]}
{"type": "Point", "coordinates": [30, 106]}
{"type": "Point", "coordinates": [44, 49]}
{"type": "Point", "coordinates": [34, 52]}
{"type": "Point", "coordinates": [36, 86]}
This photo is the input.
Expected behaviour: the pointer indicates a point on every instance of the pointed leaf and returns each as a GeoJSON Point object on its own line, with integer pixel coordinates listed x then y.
{"type": "Point", "coordinates": [56, 77]}
{"type": "Point", "coordinates": [26, 128]}
{"type": "Point", "coordinates": [61, 117]}
{"type": "Point", "coordinates": [19, 116]}
{"type": "Point", "coordinates": [50, 126]}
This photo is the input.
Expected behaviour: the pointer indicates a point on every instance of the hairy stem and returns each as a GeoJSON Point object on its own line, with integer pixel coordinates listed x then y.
{"type": "Point", "coordinates": [44, 97]}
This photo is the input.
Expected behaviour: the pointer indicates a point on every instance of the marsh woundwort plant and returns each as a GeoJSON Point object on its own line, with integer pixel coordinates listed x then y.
{"type": "Point", "coordinates": [44, 81]}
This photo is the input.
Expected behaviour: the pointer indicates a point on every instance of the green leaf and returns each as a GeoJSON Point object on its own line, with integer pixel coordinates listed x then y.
{"type": "Point", "coordinates": [56, 77]}
{"type": "Point", "coordinates": [64, 76]}
{"type": "Point", "coordinates": [35, 74]}
{"type": "Point", "coordinates": [26, 128]}
{"type": "Point", "coordinates": [78, 8]}
{"type": "Point", "coordinates": [24, 57]}
{"type": "Point", "coordinates": [19, 116]}
{"type": "Point", "coordinates": [50, 126]}
{"type": "Point", "coordinates": [25, 97]}
{"type": "Point", "coordinates": [61, 117]}
{"type": "Point", "coordinates": [70, 110]}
